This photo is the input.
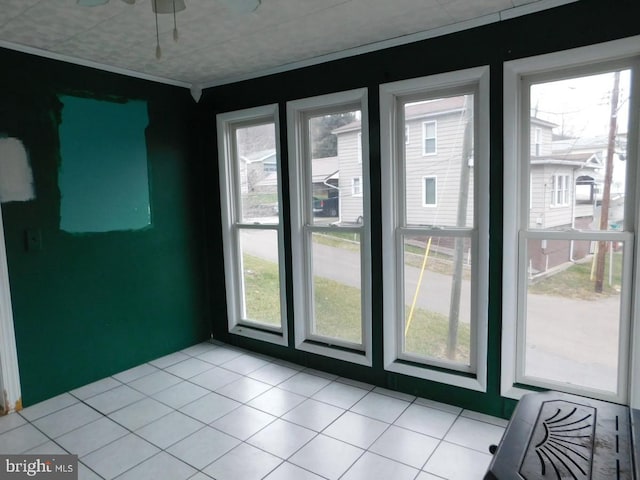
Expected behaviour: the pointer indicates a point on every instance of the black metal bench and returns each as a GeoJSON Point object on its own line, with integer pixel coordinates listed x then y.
{"type": "Point", "coordinates": [558, 436]}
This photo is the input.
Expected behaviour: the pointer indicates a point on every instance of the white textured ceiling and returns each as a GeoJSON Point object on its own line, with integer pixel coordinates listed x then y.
{"type": "Point", "coordinates": [217, 45]}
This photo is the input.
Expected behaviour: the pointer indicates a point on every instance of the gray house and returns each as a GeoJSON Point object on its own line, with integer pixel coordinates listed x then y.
{"type": "Point", "coordinates": [566, 176]}
{"type": "Point", "coordinates": [434, 144]}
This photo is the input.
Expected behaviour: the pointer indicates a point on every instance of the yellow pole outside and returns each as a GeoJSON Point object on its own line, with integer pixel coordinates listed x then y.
{"type": "Point", "coordinates": [415, 295]}
{"type": "Point", "coordinates": [593, 262]}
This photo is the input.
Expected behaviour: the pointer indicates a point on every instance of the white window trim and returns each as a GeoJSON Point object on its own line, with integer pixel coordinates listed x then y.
{"type": "Point", "coordinates": [513, 72]}
{"type": "Point", "coordinates": [359, 140]}
{"type": "Point", "coordinates": [298, 176]}
{"type": "Point", "coordinates": [424, 191]}
{"type": "Point", "coordinates": [9, 372]}
{"type": "Point", "coordinates": [229, 200]}
{"type": "Point", "coordinates": [391, 131]}
{"type": "Point", "coordinates": [424, 138]}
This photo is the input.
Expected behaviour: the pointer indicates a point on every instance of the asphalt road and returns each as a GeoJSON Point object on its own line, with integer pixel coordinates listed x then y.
{"type": "Point", "coordinates": [567, 339]}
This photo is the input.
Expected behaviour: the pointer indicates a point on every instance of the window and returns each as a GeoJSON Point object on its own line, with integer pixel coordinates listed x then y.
{"type": "Point", "coordinates": [537, 142]}
{"type": "Point", "coordinates": [251, 217]}
{"type": "Point", "coordinates": [435, 262]}
{"type": "Point", "coordinates": [560, 190]}
{"type": "Point", "coordinates": [331, 257]}
{"type": "Point", "coordinates": [430, 192]}
{"type": "Point", "coordinates": [568, 272]}
{"type": "Point", "coordinates": [356, 186]}
{"type": "Point", "coordinates": [429, 138]}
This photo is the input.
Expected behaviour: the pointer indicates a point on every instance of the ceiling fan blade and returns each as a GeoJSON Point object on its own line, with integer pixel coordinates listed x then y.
{"type": "Point", "coordinates": [91, 3]}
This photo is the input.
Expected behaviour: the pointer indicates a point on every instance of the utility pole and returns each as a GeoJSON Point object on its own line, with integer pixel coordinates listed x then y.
{"type": "Point", "coordinates": [608, 176]}
{"type": "Point", "coordinates": [461, 221]}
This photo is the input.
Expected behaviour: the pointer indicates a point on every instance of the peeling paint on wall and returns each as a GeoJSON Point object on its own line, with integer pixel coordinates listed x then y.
{"type": "Point", "coordinates": [103, 176]}
{"type": "Point", "coordinates": [16, 177]}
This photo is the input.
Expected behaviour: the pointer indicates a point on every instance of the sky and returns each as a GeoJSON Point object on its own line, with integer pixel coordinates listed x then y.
{"type": "Point", "coordinates": [581, 106]}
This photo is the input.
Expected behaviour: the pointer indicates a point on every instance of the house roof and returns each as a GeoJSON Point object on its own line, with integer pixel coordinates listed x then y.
{"type": "Point", "coordinates": [324, 169]}
{"type": "Point", "coordinates": [576, 160]}
{"type": "Point", "coordinates": [543, 123]}
{"type": "Point", "coordinates": [434, 107]}
{"type": "Point", "coordinates": [259, 156]}
{"type": "Point", "coordinates": [600, 142]}
{"type": "Point", "coordinates": [416, 110]}
{"type": "Point", "coordinates": [355, 125]}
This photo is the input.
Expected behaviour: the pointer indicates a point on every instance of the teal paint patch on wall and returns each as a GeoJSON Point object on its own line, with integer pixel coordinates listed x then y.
{"type": "Point", "coordinates": [103, 177]}
{"type": "Point", "coordinates": [87, 306]}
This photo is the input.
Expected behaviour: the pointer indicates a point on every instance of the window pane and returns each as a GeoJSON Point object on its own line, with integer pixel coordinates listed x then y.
{"type": "Point", "coordinates": [336, 160]}
{"type": "Point", "coordinates": [337, 303]}
{"type": "Point", "coordinates": [257, 165]}
{"type": "Point", "coordinates": [429, 132]}
{"type": "Point", "coordinates": [260, 276]}
{"type": "Point", "coordinates": [578, 150]}
{"type": "Point", "coordinates": [437, 273]}
{"type": "Point", "coordinates": [573, 312]}
{"type": "Point", "coordinates": [451, 162]}
{"type": "Point", "coordinates": [430, 194]}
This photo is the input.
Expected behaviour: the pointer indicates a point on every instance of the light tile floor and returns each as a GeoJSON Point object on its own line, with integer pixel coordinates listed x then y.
{"type": "Point", "coordinates": [216, 412]}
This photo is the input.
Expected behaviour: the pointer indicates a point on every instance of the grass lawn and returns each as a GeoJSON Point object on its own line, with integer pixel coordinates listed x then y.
{"type": "Point", "coordinates": [338, 312]}
{"type": "Point", "coordinates": [576, 282]}
{"type": "Point", "coordinates": [437, 262]}
{"type": "Point", "coordinates": [263, 287]}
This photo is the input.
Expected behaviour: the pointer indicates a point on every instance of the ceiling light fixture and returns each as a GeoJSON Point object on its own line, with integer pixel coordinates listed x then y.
{"type": "Point", "coordinates": [166, 6]}
{"type": "Point", "coordinates": [174, 6]}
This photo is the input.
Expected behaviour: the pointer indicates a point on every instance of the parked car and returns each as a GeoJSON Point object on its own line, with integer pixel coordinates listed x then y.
{"type": "Point", "coordinates": [325, 207]}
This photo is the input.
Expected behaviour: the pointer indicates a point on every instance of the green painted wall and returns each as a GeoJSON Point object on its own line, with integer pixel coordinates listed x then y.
{"type": "Point", "coordinates": [87, 305]}
{"type": "Point", "coordinates": [577, 24]}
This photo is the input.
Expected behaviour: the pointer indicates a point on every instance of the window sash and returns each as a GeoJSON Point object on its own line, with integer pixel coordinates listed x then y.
{"type": "Point", "coordinates": [393, 97]}
{"type": "Point", "coordinates": [430, 361]}
{"type": "Point", "coordinates": [518, 75]}
{"type": "Point", "coordinates": [303, 226]}
{"type": "Point", "coordinates": [230, 187]}
{"type": "Point", "coordinates": [520, 377]}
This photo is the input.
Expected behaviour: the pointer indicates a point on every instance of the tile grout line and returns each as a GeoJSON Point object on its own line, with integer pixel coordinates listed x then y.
{"type": "Point", "coordinates": [332, 380]}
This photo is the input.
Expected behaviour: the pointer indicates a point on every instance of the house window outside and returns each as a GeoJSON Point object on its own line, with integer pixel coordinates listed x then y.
{"type": "Point", "coordinates": [251, 217]}
{"type": "Point", "coordinates": [356, 186]}
{"type": "Point", "coordinates": [538, 140]}
{"type": "Point", "coordinates": [333, 313]}
{"type": "Point", "coordinates": [429, 138]}
{"type": "Point", "coordinates": [560, 190]}
{"type": "Point", "coordinates": [430, 191]}
{"type": "Point", "coordinates": [435, 263]}
{"type": "Point", "coordinates": [568, 280]}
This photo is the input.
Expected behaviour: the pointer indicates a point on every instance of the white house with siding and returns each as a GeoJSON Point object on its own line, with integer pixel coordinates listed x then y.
{"type": "Point", "coordinates": [565, 176]}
